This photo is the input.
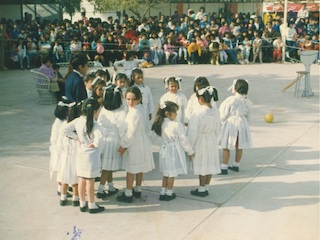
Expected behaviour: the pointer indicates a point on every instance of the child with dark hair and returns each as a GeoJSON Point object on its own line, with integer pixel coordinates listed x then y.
{"type": "Point", "coordinates": [234, 115]}
{"type": "Point", "coordinates": [193, 103]}
{"type": "Point", "coordinates": [137, 80]}
{"type": "Point", "coordinates": [97, 89]}
{"type": "Point", "coordinates": [172, 158]}
{"type": "Point", "coordinates": [203, 131]}
{"type": "Point", "coordinates": [67, 173]}
{"type": "Point", "coordinates": [104, 75]}
{"type": "Point", "coordinates": [173, 86]}
{"type": "Point", "coordinates": [88, 79]}
{"type": "Point", "coordinates": [111, 121]}
{"type": "Point", "coordinates": [61, 114]}
{"type": "Point", "coordinates": [75, 88]}
{"type": "Point", "coordinates": [135, 146]}
{"type": "Point", "coordinates": [86, 131]}
{"type": "Point", "coordinates": [122, 81]}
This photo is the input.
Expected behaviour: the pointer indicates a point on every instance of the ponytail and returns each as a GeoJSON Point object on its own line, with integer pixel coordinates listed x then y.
{"type": "Point", "coordinates": [88, 109]}
{"type": "Point", "coordinates": [161, 114]}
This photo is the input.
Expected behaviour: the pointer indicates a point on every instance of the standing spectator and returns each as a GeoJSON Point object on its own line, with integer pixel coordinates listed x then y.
{"type": "Point", "coordinates": [303, 12]}
{"type": "Point", "coordinates": [277, 50]}
{"type": "Point", "coordinates": [75, 88]}
{"type": "Point", "coordinates": [201, 13]}
{"type": "Point", "coordinates": [194, 52]}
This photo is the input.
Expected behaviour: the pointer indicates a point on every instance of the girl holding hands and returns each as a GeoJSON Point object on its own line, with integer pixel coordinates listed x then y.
{"type": "Point", "coordinates": [174, 144]}
{"type": "Point", "coordinates": [203, 131]}
{"type": "Point", "coordinates": [135, 146]}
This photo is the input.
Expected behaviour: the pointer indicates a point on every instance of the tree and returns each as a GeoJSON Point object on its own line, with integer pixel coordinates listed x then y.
{"type": "Point", "coordinates": [140, 8]}
{"type": "Point", "coordinates": [70, 6]}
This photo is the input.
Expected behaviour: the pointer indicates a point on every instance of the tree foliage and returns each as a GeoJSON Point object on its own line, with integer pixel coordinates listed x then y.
{"type": "Point", "coordinates": [70, 6]}
{"type": "Point", "coordinates": [140, 8]}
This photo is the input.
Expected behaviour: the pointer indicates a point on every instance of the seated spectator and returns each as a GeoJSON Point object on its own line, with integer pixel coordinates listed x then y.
{"type": "Point", "coordinates": [194, 52]}
{"type": "Point", "coordinates": [156, 48]}
{"type": "Point", "coordinates": [23, 57]}
{"type": "Point", "coordinates": [169, 52]}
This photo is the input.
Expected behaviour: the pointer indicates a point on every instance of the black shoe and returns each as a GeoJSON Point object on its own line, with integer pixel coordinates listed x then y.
{"type": "Point", "coordinates": [63, 202]}
{"type": "Point", "coordinates": [96, 210]}
{"type": "Point", "coordinates": [207, 193]}
{"type": "Point", "coordinates": [110, 193]}
{"type": "Point", "coordinates": [233, 168]}
{"type": "Point", "coordinates": [75, 203]}
{"type": "Point", "coordinates": [224, 172]}
{"type": "Point", "coordinates": [69, 194]}
{"type": "Point", "coordinates": [162, 197]}
{"type": "Point", "coordinates": [199, 194]}
{"type": "Point", "coordinates": [124, 198]}
{"type": "Point", "coordinates": [136, 194]}
{"type": "Point", "coordinates": [83, 209]}
{"type": "Point", "coordinates": [97, 179]}
{"type": "Point", "coordinates": [70, 189]}
{"type": "Point", "coordinates": [101, 195]}
{"type": "Point", "coordinates": [169, 198]}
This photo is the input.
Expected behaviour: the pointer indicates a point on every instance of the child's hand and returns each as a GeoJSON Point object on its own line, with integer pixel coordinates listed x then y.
{"type": "Point", "coordinates": [191, 157]}
{"type": "Point", "coordinates": [122, 150]}
{"type": "Point", "coordinates": [91, 145]}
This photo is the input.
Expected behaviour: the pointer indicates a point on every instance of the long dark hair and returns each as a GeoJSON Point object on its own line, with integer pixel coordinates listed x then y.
{"type": "Point", "coordinates": [62, 109]}
{"type": "Point", "coordinates": [167, 106]}
{"type": "Point", "coordinates": [97, 82]}
{"type": "Point", "coordinates": [88, 108]}
{"type": "Point", "coordinates": [200, 81]}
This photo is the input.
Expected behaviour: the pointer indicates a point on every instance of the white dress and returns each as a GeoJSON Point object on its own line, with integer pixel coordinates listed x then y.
{"type": "Point", "coordinates": [181, 100]}
{"type": "Point", "coordinates": [138, 157]}
{"type": "Point", "coordinates": [234, 115]}
{"type": "Point", "coordinates": [193, 105]}
{"type": "Point", "coordinates": [172, 152]}
{"type": "Point", "coordinates": [67, 172]}
{"type": "Point", "coordinates": [147, 100]}
{"type": "Point", "coordinates": [55, 146]}
{"type": "Point", "coordinates": [111, 124]}
{"type": "Point", "coordinates": [203, 131]}
{"type": "Point", "coordinates": [88, 159]}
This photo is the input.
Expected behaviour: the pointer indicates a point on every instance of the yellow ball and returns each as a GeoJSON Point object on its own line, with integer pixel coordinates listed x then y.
{"type": "Point", "coordinates": [269, 118]}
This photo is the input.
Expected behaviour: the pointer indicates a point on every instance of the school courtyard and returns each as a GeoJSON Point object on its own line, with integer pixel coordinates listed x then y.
{"type": "Point", "coordinates": [274, 196]}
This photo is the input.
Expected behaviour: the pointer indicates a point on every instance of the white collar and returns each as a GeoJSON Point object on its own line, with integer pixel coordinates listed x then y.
{"type": "Point", "coordinates": [76, 71]}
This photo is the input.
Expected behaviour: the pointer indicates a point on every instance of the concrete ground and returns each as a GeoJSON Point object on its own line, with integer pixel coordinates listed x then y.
{"type": "Point", "coordinates": [274, 196]}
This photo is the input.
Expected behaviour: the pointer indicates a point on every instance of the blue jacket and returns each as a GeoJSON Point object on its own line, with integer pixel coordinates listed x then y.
{"type": "Point", "coordinates": [75, 88]}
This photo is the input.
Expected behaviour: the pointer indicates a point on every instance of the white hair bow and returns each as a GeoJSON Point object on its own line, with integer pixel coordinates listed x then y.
{"type": "Point", "coordinates": [178, 79]}
{"type": "Point", "coordinates": [163, 105]}
{"type": "Point", "coordinates": [72, 104]}
{"type": "Point", "coordinates": [233, 85]}
{"type": "Point", "coordinates": [62, 104]}
{"type": "Point", "coordinates": [95, 80]}
{"type": "Point", "coordinates": [203, 90]}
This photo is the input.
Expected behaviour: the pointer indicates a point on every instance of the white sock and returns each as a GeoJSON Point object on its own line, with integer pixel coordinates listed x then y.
{"type": "Point", "coordinates": [83, 203]}
{"type": "Point", "coordinates": [137, 189]}
{"type": "Point", "coordinates": [63, 197]}
{"type": "Point", "coordinates": [207, 187]}
{"type": "Point", "coordinates": [92, 205]}
{"type": "Point", "coordinates": [111, 187]}
{"type": "Point", "coordinates": [75, 198]}
{"type": "Point", "coordinates": [235, 164]}
{"type": "Point", "coordinates": [128, 193]}
{"type": "Point", "coordinates": [59, 188]}
{"type": "Point", "coordinates": [163, 191]}
{"type": "Point", "coordinates": [201, 189]}
{"type": "Point", "coordinates": [224, 166]}
{"type": "Point", "coordinates": [100, 188]}
{"type": "Point", "coordinates": [169, 192]}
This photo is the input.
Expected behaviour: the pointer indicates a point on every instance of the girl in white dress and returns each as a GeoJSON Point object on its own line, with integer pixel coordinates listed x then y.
{"type": "Point", "coordinates": [135, 146]}
{"type": "Point", "coordinates": [173, 85]}
{"type": "Point", "coordinates": [234, 115]}
{"type": "Point", "coordinates": [137, 80]}
{"type": "Point", "coordinates": [67, 173]}
{"type": "Point", "coordinates": [87, 132]}
{"type": "Point", "coordinates": [193, 103]}
{"type": "Point", "coordinates": [172, 157]}
{"type": "Point", "coordinates": [203, 131]}
{"type": "Point", "coordinates": [97, 89]}
{"type": "Point", "coordinates": [111, 121]}
{"type": "Point", "coordinates": [61, 114]}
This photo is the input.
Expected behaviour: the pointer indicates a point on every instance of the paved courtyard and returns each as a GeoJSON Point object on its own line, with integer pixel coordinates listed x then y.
{"type": "Point", "coordinates": [274, 196]}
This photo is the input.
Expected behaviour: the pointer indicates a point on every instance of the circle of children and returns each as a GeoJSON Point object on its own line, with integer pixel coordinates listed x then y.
{"type": "Point", "coordinates": [191, 38]}
{"type": "Point", "coordinates": [109, 128]}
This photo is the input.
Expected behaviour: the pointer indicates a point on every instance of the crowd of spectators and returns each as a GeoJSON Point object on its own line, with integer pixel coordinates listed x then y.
{"type": "Point", "coordinates": [194, 38]}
